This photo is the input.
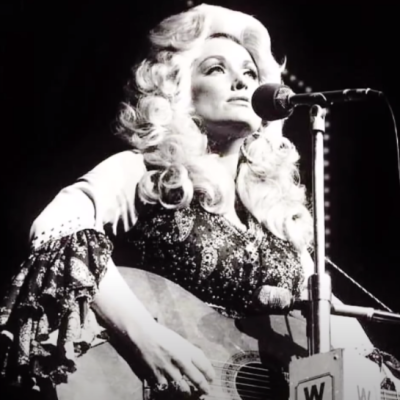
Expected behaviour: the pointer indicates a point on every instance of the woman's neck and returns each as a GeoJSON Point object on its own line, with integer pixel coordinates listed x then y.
{"type": "Point", "coordinates": [230, 162]}
{"type": "Point", "coordinates": [228, 157]}
{"type": "Point", "coordinates": [228, 153]}
{"type": "Point", "coordinates": [225, 147]}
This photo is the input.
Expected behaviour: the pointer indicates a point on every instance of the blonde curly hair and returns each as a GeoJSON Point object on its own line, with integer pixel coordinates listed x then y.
{"type": "Point", "coordinates": [160, 122]}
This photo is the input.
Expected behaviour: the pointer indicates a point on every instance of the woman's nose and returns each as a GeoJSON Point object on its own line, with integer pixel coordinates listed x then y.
{"type": "Point", "coordinates": [239, 83]}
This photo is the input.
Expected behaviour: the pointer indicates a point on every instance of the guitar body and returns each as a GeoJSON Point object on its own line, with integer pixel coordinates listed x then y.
{"type": "Point", "coordinates": [250, 356]}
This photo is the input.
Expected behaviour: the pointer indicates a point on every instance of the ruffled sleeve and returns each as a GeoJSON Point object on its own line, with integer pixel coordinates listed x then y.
{"type": "Point", "coordinates": [45, 319]}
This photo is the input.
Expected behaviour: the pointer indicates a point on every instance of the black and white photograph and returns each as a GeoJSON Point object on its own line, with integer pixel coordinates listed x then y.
{"type": "Point", "coordinates": [200, 200]}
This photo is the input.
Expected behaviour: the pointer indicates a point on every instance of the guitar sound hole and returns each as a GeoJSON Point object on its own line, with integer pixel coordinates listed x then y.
{"type": "Point", "coordinates": [256, 381]}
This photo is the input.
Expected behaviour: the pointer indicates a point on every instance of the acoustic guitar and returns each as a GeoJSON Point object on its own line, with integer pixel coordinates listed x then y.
{"type": "Point", "coordinates": [250, 356]}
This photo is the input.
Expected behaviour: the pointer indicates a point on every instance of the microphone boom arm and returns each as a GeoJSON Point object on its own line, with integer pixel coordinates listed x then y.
{"type": "Point", "coordinates": [325, 99]}
{"type": "Point", "coordinates": [367, 313]}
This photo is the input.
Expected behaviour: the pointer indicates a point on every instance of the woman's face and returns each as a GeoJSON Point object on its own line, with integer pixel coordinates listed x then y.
{"type": "Point", "coordinates": [224, 78]}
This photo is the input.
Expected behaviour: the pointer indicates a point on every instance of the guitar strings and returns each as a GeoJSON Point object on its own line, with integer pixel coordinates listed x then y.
{"type": "Point", "coordinates": [241, 384]}
{"type": "Point", "coordinates": [246, 373]}
{"type": "Point", "coordinates": [245, 393]}
{"type": "Point", "coordinates": [255, 380]}
{"type": "Point", "coordinates": [236, 396]}
{"type": "Point", "coordinates": [239, 365]}
{"type": "Point", "coordinates": [222, 367]}
{"type": "Point", "coordinates": [246, 385]}
{"type": "Point", "coordinates": [230, 367]}
{"type": "Point", "coordinates": [242, 392]}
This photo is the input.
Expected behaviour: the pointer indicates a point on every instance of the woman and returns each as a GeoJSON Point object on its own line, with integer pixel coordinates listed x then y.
{"type": "Point", "coordinates": [208, 197]}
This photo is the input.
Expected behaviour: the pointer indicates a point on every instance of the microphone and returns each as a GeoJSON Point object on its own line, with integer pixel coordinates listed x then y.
{"type": "Point", "coordinates": [277, 300]}
{"type": "Point", "coordinates": [274, 101]}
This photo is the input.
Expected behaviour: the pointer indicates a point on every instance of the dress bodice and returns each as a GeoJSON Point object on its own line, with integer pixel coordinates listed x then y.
{"type": "Point", "coordinates": [211, 258]}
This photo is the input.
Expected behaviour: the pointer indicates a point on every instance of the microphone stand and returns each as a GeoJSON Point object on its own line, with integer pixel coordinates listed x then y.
{"type": "Point", "coordinates": [330, 373]}
{"type": "Point", "coordinates": [319, 284]}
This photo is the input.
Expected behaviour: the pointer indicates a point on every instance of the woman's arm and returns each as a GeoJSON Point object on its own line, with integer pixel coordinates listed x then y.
{"type": "Point", "coordinates": [106, 196]}
{"type": "Point", "coordinates": [165, 355]}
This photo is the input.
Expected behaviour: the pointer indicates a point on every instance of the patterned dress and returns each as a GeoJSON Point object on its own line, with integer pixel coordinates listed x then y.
{"type": "Point", "coordinates": [211, 258]}
{"type": "Point", "coordinates": [46, 320]}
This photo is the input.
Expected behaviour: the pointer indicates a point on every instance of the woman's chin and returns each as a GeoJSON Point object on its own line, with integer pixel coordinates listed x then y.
{"type": "Point", "coordinates": [231, 130]}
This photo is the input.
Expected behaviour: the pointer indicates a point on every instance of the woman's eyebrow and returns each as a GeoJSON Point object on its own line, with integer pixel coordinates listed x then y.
{"type": "Point", "coordinates": [218, 57]}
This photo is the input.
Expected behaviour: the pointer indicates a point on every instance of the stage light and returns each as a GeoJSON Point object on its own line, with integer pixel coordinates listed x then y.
{"type": "Point", "coordinates": [298, 85]}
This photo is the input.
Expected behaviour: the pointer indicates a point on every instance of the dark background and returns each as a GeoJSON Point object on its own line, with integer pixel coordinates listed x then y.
{"type": "Point", "coordinates": [62, 69]}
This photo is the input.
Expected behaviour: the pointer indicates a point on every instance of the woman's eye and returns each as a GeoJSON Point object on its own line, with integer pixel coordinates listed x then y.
{"type": "Point", "coordinates": [252, 73]}
{"type": "Point", "coordinates": [215, 69]}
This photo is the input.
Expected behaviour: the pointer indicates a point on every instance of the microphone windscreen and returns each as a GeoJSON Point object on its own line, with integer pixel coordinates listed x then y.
{"type": "Point", "coordinates": [274, 299]}
{"type": "Point", "coordinates": [269, 101]}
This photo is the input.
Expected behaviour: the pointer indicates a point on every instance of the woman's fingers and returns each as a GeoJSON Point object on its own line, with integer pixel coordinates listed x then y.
{"type": "Point", "coordinates": [161, 383]}
{"type": "Point", "coordinates": [203, 364]}
{"type": "Point", "coordinates": [195, 376]}
{"type": "Point", "coordinates": [182, 386]}
{"type": "Point", "coordinates": [171, 381]}
{"type": "Point", "coordinates": [177, 380]}
{"type": "Point", "coordinates": [171, 360]}
{"type": "Point", "coordinates": [189, 359]}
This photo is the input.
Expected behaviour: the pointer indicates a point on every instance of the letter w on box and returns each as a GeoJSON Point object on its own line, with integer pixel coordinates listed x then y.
{"type": "Point", "coordinates": [318, 388]}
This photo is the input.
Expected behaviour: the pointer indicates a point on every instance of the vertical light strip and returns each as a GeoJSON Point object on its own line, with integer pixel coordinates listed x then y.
{"type": "Point", "coordinates": [300, 86]}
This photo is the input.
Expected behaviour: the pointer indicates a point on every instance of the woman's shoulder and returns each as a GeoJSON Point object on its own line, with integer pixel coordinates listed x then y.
{"type": "Point", "coordinates": [127, 156]}
{"type": "Point", "coordinates": [127, 161]}
{"type": "Point", "coordinates": [105, 195]}
{"type": "Point", "coordinates": [115, 176]}
{"type": "Point", "coordinates": [112, 185]}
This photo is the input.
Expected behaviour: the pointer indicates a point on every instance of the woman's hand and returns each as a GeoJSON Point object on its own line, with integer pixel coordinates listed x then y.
{"type": "Point", "coordinates": [167, 360]}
